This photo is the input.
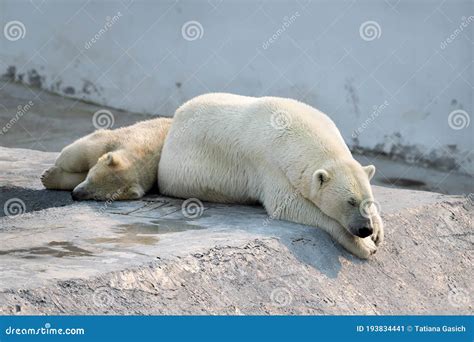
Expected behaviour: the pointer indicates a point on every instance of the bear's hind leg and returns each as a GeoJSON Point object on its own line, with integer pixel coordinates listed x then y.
{"type": "Point", "coordinates": [57, 179]}
{"type": "Point", "coordinates": [82, 155]}
{"type": "Point", "coordinates": [73, 158]}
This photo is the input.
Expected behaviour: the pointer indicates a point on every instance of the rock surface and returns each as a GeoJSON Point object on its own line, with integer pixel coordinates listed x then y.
{"type": "Point", "coordinates": [152, 257]}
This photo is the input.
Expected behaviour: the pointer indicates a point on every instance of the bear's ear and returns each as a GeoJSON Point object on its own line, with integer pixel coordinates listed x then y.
{"type": "Point", "coordinates": [320, 177]}
{"type": "Point", "coordinates": [369, 170]}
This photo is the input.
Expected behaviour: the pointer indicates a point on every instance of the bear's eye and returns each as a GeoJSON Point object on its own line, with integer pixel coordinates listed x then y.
{"type": "Point", "coordinates": [352, 202]}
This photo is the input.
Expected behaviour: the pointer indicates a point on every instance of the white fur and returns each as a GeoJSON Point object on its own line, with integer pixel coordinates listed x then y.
{"type": "Point", "coordinates": [230, 148]}
{"type": "Point", "coordinates": [119, 164]}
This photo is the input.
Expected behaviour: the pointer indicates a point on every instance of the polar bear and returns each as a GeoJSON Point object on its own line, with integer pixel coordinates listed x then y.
{"type": "Point", "coordinates": [279, 152]}
{"type": "Point", "coordinates": [117, 164]}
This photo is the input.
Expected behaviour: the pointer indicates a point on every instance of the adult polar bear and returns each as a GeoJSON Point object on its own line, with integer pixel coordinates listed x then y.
{"type": "Point", "coordinates": [280, 152]}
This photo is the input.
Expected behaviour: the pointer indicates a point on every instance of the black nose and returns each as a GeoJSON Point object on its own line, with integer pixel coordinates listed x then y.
{"type": "Point", "coordinates": [365, 231]}
{"type": "Point", "coordinates": [79, 195]}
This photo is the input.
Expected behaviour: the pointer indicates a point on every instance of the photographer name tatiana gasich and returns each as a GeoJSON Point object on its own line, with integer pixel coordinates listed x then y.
{"type": "Point", "coordinates": [443, 328]}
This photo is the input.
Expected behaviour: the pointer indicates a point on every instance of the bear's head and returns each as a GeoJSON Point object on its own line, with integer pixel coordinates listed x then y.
{"type": "Point", "coordinates": [341, 189]}
{"type": "Point", "coordinates": [113, 177]}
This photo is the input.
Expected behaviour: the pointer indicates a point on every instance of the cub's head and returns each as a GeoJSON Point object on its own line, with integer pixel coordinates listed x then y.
{"type": "Point", "coordinates": [113, 177]}
{"type": "Point", "coordinates": [342, 191]}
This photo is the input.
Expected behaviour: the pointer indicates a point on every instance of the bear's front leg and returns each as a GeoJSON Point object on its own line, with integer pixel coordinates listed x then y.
{"type": "Point", "coordinates": [362, 248]}
{"type": "Point", "coordinates": [312, 215]}
{"type": "Point", "coordinates": [378, 235]}
{"type": "Point", "coordinates": [283, 202]}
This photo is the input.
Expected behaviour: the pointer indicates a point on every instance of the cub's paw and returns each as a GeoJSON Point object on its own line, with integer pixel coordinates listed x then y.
{"type": "Point", "coordinates": [50, 177]}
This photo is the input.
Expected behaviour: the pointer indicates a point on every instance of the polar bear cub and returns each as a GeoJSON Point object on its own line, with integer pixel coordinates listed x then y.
{"type": "Point", "coordinates": [280, 152]}
{"type": "Point", "coordinates": [114, 164]}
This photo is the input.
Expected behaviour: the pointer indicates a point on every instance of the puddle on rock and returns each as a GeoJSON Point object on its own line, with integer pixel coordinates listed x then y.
{"type": "Point", "coordinates": [135, 233]}
{"type": "Point", "coordinates": [57, 249]}
{"type": "Point", "coordinates": [145, 233]}
{"type": "Point", "coordinates": [175, 226]}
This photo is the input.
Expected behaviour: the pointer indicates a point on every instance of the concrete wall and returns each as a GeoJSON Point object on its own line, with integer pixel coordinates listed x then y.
{"type": "Point", "coordinates": [389, 73]}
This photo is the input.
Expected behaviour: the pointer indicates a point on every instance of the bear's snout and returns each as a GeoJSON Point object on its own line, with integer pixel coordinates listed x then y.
{"type": "Point", "coordinates": [361, 227]}
{"type": "Point", "coordinates": [79, 195]}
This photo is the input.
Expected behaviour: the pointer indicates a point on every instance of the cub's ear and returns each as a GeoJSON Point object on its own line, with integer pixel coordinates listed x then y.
{"type": "Point", "coordinates": [320, 177]}
{"type": "Point", "coordinates": [369, 170]}
{"type": "Point", "coordinates": [110, 159]}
